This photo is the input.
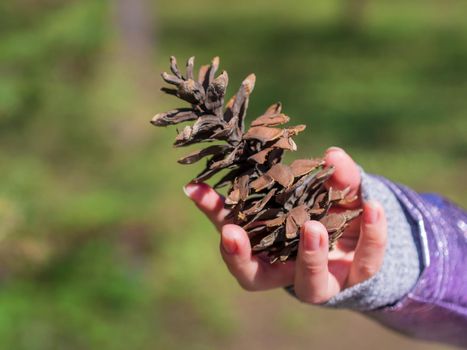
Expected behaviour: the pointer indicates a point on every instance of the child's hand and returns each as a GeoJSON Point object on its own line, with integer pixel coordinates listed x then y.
{"type": "Point", "coordinates": [317, 275]}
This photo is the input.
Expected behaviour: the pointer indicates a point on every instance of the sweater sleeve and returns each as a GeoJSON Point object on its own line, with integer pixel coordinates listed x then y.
{"type": "Point", "coordinates": [436, 307]}
{"type": "Point", "coordinates": [433, 305]}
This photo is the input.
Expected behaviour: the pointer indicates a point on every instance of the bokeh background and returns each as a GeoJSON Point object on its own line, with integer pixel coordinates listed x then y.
{"type": "Point", "coordinates": [99, 248]}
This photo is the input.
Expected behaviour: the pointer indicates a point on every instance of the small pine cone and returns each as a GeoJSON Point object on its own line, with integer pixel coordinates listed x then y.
{"type": "Point", "coordinates": [269, 199]}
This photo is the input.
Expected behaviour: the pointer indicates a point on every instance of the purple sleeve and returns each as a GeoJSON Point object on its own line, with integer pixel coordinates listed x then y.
{"type": "Point", "coordinates": [436, 308]}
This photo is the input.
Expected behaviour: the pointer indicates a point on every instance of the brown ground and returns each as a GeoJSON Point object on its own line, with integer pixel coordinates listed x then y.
{"type": "Point", "coordinates": [273, 320]}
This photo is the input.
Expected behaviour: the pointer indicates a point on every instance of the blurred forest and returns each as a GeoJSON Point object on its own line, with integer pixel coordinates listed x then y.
{"type": "Point", "coordinates": [99, 247]}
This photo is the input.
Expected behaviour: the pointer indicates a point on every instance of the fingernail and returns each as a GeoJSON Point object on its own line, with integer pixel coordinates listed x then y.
{"type": "Point", "coordinates": [371, 213]}
{"type": "Point", "coordinates": [228, 242]}
{"type": "Point", "coordinates": [311, 241]}
{"type": "Point", "coordinates": [189, 189]}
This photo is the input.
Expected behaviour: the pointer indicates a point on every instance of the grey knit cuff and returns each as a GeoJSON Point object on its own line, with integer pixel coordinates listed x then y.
{"type": "Point", "coordinates": [401, 264]}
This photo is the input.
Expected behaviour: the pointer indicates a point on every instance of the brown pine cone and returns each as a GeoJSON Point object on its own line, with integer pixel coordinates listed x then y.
{"type": "Point", "coordinates": [269, 199]}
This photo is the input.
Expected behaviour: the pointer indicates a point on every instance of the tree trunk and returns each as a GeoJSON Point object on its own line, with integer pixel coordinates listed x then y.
{"type": "Point", "coordinates": [354, 14]}
{"type": "Point", "coordinates": [136, 34]}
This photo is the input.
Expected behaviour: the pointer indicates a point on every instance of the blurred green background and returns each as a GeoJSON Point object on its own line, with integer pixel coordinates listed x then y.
{"type": "Point", "coordinates": [100, 249]}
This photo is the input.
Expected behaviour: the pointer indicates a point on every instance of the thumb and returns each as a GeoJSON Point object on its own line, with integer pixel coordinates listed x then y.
{"type": "Point", "coordinates": [313, 282]}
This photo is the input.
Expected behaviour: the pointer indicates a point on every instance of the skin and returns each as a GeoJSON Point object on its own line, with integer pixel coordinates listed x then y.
{"type": "Point", "coordinates": [317, 275]}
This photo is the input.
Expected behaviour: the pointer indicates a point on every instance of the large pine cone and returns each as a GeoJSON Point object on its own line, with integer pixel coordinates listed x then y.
{"type": "Point", "coordinates": [269, 199]}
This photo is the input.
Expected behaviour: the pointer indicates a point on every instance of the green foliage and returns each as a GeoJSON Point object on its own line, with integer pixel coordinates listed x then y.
{"type": "Point", "coordinates": [99, 249]}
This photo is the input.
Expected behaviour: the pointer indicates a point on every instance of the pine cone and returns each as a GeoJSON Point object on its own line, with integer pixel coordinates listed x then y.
{"type": "Point", "coordinates": [269, 199]}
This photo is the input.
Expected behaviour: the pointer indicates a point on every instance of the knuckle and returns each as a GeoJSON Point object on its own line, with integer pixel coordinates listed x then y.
{"type": "Point", "coordinates": [366, 270]}
{"type": "Point", "coordinates": [377, 242]}
{"type": "Point", "coordinates": [314, 268]}
{"type": "Point", "coordinates": [381, 242]}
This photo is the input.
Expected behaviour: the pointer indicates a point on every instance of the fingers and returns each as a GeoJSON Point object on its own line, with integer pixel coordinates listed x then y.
{"type": "Point", "coordinates": [346, 174]}
{"type": "Point", "coordinates": [252, 273]}
{"type": "Point", "coordinates": [371, 244]}
{"type": "Point", "coordinates": [313, 282]}
{"type": "Point", "coordinates": [208, 201]}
